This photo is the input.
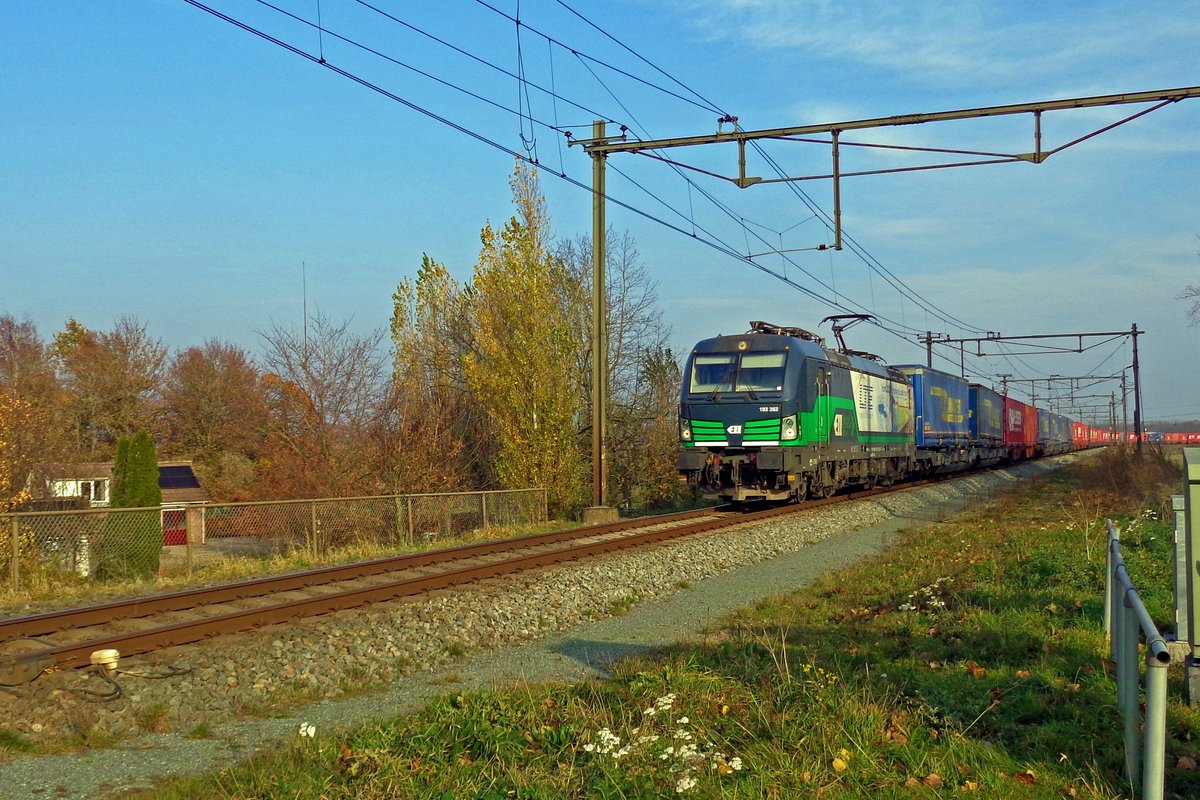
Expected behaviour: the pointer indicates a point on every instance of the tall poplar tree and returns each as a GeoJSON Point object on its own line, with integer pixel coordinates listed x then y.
{"type": "Point", "coordinates": [521, 359]}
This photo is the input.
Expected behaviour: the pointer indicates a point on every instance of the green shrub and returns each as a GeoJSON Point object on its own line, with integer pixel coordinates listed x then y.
{"type": "Point", "coordinates": [133, 541]}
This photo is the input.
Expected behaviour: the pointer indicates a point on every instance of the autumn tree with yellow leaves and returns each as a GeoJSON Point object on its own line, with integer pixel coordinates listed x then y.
{"type": "Point", "coordinates": [521, 355]}
{"type": "Point", "coordinates": [32, 411]}
{"type": "Point", "coordinates": [436, 446]}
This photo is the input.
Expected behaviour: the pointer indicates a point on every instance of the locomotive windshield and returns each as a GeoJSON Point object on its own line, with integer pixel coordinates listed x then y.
{"type": "Point", "coordinates": [737, 372]}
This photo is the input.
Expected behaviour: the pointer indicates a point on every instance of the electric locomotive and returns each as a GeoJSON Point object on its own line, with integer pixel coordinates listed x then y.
{"type": "Point", "coordinates": [774, 415]}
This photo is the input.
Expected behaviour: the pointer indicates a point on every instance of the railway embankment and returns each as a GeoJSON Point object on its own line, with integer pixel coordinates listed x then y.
{"type": "Point", "coordinates": [235, 694]}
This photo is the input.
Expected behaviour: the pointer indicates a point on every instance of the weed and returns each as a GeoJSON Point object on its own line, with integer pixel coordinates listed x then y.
{"type": "Point", "coordinates": [620, 606]}
{"type": "Point", "coordinates": [202, 730]}
{"type": "Point", "coordinates": [14, 742]}
{"type": "Point", "coordinates": [153, 717]}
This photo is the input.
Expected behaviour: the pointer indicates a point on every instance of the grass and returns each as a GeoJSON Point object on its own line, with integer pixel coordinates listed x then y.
{"type": "Point", "coordinates": [203, 730]}
{"type": "Point", "coordinates": [13, 742]}
{"type": "Point", "coordinates": [968, 660]}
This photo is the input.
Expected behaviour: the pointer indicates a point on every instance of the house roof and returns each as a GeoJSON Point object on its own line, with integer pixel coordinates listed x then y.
{"type": "Point", "coordinates": [177, 479]}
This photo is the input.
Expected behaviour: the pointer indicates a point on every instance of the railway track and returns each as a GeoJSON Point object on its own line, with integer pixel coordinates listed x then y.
{"type": "Point", "coordinates": [66, 639]}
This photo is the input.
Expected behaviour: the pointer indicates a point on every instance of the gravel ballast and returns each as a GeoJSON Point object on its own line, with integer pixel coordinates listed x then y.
{"type": "Point", "coordinates": [554, 624]}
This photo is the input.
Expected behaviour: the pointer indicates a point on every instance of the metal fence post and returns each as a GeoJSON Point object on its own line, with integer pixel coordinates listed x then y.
{"type": "Point", "coordinates": [187, 541]}
{"type": "Point", "coordinates": [1109, 608]}
{"type": "Point", "coordinates": [1156, 727]}
{"type": "Point", "coordinates": [412, 533]}
{"type": "Point", "coordinates": [1127, 690]}
{"type": "Point", "coordinates": [312, 527]}
{"type": "Point", "coordinates": [1191, 601]}
{"type": "Point", "coordinates": [1180, 576]}
{"type": "Point", "coordinates": [14, 564]}
{"type": "Point", "coordinates": [483, 508]}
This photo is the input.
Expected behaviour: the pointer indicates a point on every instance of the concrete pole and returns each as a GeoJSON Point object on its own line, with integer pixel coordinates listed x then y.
{"type": "Point", "coordinates": [599, 328]}
{"type": "Point", "coordinates": [1137, 393]}
{"type": "Point", "coordinates": [1124, 409]}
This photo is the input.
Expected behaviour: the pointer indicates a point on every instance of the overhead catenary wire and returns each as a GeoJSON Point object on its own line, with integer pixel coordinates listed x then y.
{"type": "Point", "coordinates": [551, 92]}
{"type": "Point", "coordinates": [899, 329]}
{"type": "Point", "coordinates": [872, 263]}
{"type": "Point", "coordinates": [521, 78]}
{"type": "Point", "coordinates": [595, 60]}
{"type": "Point", "coordinates": [390, 59]}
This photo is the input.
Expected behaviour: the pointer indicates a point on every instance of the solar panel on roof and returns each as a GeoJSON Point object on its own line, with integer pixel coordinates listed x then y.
{"type": "Point", "coordinates": [177, 478]}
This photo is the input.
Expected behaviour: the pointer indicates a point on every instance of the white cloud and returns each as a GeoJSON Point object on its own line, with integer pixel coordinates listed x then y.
{"type": "Point", "coordinates": [951, 44]}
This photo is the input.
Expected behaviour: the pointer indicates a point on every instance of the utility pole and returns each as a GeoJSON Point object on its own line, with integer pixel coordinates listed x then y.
{"type": "Point", "coordinates": [928, 339]}
{"type": "Point", "coordinates": [1124, 409]}
{"type": "Point", "coordinates": [599, 328]}
{"type": "Point", "coordinates": [599, 512]}
{"type": "Point", "coordinates": [1137, 393]}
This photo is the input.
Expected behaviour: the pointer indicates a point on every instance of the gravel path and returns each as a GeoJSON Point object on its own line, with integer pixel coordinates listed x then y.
{"type": "Point", "coordinates": [551, 625]}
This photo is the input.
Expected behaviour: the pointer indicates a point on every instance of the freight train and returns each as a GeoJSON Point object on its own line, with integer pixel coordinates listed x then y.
{"type": "Point", "coordinates": [774, 415]}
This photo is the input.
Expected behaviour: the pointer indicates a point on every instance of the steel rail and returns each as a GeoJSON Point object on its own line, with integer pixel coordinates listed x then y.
{"type": "Point", "coordinates": [136, 642]}
{"type": "Point", "coordinates": [54, 621]}
{"type": "Point", "coordinates": [190, 631]}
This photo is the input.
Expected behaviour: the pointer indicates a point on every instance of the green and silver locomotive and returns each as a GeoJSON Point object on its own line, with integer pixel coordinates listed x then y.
{"type": "Point", "coordinates": [774, 415]}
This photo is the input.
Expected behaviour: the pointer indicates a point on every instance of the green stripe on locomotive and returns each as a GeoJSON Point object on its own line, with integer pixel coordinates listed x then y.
{"type": "Point", "coordinates": [816, 426]}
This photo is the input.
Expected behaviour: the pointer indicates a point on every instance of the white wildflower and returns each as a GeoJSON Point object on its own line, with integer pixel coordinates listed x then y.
{"type": "Point", "coordinates": [684, 784]}
{"type": "Point", "coordinates": [683, 721]}
{"type": "Point", "coordinates": [308, 730]}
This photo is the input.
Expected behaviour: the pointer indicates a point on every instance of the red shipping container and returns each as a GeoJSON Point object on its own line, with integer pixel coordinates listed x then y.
{"type": "Point", "coordinates": [1020, 428]}
{"type": "Point", "coordinates": [1079, 435]}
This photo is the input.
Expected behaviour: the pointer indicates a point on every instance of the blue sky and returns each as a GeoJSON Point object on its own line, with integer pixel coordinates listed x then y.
{"type": "Point", "coordinates": [159, 162]}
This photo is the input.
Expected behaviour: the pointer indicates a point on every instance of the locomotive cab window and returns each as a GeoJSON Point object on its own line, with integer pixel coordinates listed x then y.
{"type": "Point", "coordinates": [713, 372]}
{"type": "Point", "coordinates": [761, 372]}
{"type": "Point", "coordinates": [734, 372]}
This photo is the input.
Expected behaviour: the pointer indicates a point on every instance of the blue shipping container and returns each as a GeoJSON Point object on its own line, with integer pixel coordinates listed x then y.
{"type": "Point", "coordinates": [942, 404]}
{"type": "Point", "coordinates": [987, 414]}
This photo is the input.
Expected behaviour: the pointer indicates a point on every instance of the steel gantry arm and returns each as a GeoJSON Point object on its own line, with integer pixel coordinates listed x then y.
{"type": "Point", "coordinates": [800, 133]}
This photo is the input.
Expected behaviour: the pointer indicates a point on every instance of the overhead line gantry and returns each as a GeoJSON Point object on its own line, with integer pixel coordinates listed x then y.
{"type": "Point", "coordinates": [600, 145]}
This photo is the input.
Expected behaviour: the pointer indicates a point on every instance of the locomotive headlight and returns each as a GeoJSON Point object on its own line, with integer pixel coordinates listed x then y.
{"type": "Point", "coordinates": [789, 429]}
{"type": "Point", "coordinates": [685, 430]}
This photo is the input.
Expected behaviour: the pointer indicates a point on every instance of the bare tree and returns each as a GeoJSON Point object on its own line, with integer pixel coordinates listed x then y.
{"type": "Point", "coordinates": [326, 391]}
{"type": "Point", "coordinates": [642, 391]}
{"type": "Point", "coordinates": [1191, 293]}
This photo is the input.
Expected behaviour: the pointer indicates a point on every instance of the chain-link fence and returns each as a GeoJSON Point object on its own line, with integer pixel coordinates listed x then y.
{"type": "Point", "coordinates": [39, 547]}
